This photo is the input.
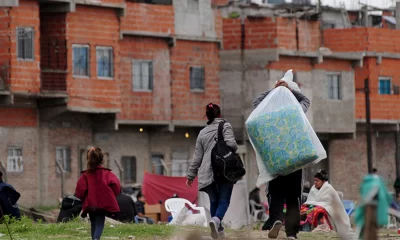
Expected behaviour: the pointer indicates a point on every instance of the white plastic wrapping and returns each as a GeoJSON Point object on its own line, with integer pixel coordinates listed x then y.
{"type": "Point", "coordinates": [282, 136]}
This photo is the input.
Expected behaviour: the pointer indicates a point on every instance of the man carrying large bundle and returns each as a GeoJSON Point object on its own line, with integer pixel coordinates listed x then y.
{"type": "Point", "coordinates": [286, 186]}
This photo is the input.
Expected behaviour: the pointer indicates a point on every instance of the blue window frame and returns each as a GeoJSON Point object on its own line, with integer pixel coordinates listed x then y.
{"type": "Point", "coordinates": [105, 63]}
{"type": "Point", "coordinates": [385, 85]}
{"type": "Point", "coordinates": [80, 58]}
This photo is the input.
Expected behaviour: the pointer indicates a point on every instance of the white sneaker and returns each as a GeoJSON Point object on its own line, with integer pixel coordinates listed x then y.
{"type": "Point", "coordinates": [221, 234]}
{"type": "Point", "coordinates": [274, 232]}
{"type": "Point", "coordinates": [292, 238]}
{"type": "Point", "coordinates": [214, 225]}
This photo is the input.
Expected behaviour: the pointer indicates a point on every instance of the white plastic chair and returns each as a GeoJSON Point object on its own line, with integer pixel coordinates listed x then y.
{"type": "Point", "coordinates": [256, 209]}
{"type": "Point", "coordinates": [175, 205]}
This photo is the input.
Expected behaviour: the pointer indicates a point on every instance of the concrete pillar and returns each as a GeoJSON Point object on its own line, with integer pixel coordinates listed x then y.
{"type": "Point", "coordinates": [365, 16]}
{"type": "Point", "coordinates": [397, 15]}
{"type": "Point", "coordinates": [397, 165]}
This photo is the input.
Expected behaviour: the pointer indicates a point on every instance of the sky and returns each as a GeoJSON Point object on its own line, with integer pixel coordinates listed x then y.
{"type": "Point", "coordinates": [353, 4]}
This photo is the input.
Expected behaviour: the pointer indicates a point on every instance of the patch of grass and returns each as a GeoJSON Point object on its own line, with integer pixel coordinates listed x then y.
{"type": "Point", "coordinates": [77, 229]}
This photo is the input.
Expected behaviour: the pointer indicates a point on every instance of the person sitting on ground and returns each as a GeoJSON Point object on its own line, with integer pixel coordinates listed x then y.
{"type": "Point", "coordinates": [324, 206]}
{"type": "Point", "coordinates": [141, 211]}
{"type": "Point", "coordinates": [127, 208]}
{"type": "Point", "coordinates": [8, 200]}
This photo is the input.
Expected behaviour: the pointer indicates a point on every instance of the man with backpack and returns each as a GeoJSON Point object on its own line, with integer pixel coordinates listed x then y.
{"type": "Point", "coordinates": [217, 166]}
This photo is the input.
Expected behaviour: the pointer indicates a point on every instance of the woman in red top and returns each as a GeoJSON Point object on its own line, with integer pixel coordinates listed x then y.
{"type": "Point", "coordinates": [97, 188]}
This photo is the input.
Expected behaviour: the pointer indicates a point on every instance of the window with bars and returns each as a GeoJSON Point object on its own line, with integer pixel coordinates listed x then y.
{"type": "Point", "coordinates": [63, 156]}
{"type": "Point", "coordinates": [179, 163]}
{"type": "Point", "coordinates": [80, 58]}
{"type": "Point", "coordinates": [105, 62]}
{"type": "Point", "coordinates": [15, 161]}
{"type": "Point", "coordinates": [334, 86]}
{"type": "Point", "coordinates": [129, 166]}
{"type": "Point", "coordinates": [142, 74]}
{"type": "Point", "coordinates": [158, 167]}
{"type": "Point", "coordinates": [25, 43]}
{"type": "Point", "coordinates": [385, 85]}
{"type": "Point", "coordinates": [197, 75]}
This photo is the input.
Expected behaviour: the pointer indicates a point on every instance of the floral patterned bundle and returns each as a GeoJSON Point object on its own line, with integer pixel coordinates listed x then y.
{"type": "Point", "coordinates": [282, 140]}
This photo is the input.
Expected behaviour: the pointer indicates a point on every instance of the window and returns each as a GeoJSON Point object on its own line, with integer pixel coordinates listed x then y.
{"type": "Point", "coordinates": [179, 164]}
{"type": "Point", "coordinates": [328, 25]}
{"type": "Point", "coordinates": [129, 166]}
{"type": "Point", "coordinates": [334, 86]}
{"type": "Point", "coordinates": [197, 78]}
{"type": "Point", "coordinates": [158, 167]}
{"type": "Point", "coordinates": [385, 85]}
{"type": "Point", "coordinates": [80, 58]}
{"type": "Point", "coordinates": [142, 73]}
{"type": "Point", "coordinates": [15, 161]}
{"type": "Point", "coordinates": [25, 46]}
{"type": "Point", "coordinates": [105, 62]}
{"type": "Point", "coordinates": [63, 156]}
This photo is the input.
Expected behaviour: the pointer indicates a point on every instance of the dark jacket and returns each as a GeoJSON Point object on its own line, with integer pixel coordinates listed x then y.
{"type": "Point", "coordinates": [127, 209]}
{"type": "Point", "coordinates": [303, 100]}
{"type": "Point", "coordinates": [98, 190]}
{"type": "Point", "coordinates": [8, 200]}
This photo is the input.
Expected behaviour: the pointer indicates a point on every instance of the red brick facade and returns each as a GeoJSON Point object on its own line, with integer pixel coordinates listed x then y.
{"type": "Point", "coordinates": [148, 18]}
{"type": "Point", "coordinates": [18, 117]}
{"type": "Point", "coordinates": [189, 105]}
{"type": "Point", "coordinates": [145, 105]}
{"type": "Point", "coordinates": [86, 28]}
{"type": "Point", "coordinates": [25, 74]}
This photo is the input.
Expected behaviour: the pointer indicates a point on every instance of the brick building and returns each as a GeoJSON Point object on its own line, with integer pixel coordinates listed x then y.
{"type": "Point", "coordinates": [128, 76]}
{"type": "Point", "coordinates": [261, 43]}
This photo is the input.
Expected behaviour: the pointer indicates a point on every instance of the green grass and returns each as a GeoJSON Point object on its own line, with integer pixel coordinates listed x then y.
{"type": "Point", "coordinates": [26, 229]}
{"type": "Point", "coordinates": [77, 229]}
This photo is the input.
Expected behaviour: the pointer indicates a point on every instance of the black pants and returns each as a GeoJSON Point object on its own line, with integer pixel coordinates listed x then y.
{"type": "Point", "coordinates": [281, 190]}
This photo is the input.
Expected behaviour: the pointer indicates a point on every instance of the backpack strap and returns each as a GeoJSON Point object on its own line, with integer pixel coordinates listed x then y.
{"type": "Point", "coordinates": [220, 131]}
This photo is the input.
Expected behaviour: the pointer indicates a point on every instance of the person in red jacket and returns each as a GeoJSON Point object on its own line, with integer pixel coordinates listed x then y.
{"type": "Point", "coordinates": [97, 188]}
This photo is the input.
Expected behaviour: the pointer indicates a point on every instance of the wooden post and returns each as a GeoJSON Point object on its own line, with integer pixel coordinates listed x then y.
{"type": "Point", "coordinates": [370, 227]}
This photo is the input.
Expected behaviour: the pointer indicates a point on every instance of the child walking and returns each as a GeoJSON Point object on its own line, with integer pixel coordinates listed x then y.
{"type": "Point", "coordinates": [97, 188]}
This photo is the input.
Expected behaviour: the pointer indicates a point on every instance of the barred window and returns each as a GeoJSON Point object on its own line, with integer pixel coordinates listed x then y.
{"type": "Point", "coordinates": [197, 78]}
{"type": "Point", "coordinates": [25, 43]}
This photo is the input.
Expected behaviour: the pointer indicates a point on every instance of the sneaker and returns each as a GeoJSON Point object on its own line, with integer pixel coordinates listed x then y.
{"type": "Point", "coordinates": [292, 238]}
{"type": "Point", "coordinates": [274, 232]}
{"type": "Point", "coordinates": [221, 234]}
{"type": "Point", "coordinates": [214, 225]}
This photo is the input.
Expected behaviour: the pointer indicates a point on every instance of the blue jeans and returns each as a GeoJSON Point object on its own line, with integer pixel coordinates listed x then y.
{"type": "Point", "coordinates": [220, 198]}
{"type": "Point", "coordinates": [149, 220]}
{"type": "Point", "coordinates": [97, 221]}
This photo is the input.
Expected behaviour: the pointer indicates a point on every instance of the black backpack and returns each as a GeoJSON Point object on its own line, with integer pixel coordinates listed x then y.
{"type": "Point", "coordinates": [226, 164]}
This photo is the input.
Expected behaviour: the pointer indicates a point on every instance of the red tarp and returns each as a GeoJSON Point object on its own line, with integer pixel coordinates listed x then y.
{"type": "Point", "coordinates": [158, 188]}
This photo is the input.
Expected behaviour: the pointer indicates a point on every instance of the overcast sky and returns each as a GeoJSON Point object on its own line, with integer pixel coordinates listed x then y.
{"type": "Point", "coordinates": [352, 4]}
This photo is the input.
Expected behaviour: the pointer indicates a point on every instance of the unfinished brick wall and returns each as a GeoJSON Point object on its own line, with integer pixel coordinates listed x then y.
{"type": "Point", "coordinates": [148, 18]}
{"type": "Point", "coordinates": [286, 32]}
{"type": "Point", "coordinates": [344, 40]}
{"type": "Point", "coordinates": [53, 51]}
{"type": "Point", "coordinates": [218, 23]}
{"type": "Point", "coordinates": [348, 165]}
{"type": "Point", "coordinates": [18, 117]}
{"type": "Point", "coordinates": [272, 32]}
{"type": "Point", "coordinates": [309, 36]}
{"type": "Point", "coordinates": [5, 43]}
{"type": "Point", "coordinates": [295, 63]}
{"type": "Point", "coordinates": [87, 28]}
{"type": "Point", "coordinates": [219, 2]}
{"type": "Point", "coordinates": [73, 131]}
{"type": "Point", "coordinates": [25, 74]}
{"type": "Point", "coordinates": [260, 33]}
{"type": "Point", "coordinates": [26, 182]}
{"type": "Point", "coordinates": [383, 107]}
{"type": "Point", "coordinates": [145, 105]}
{"type": "Point", "coordinates": [232, 31]}
{"type": "Point", "coordinates": [188, 105]}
